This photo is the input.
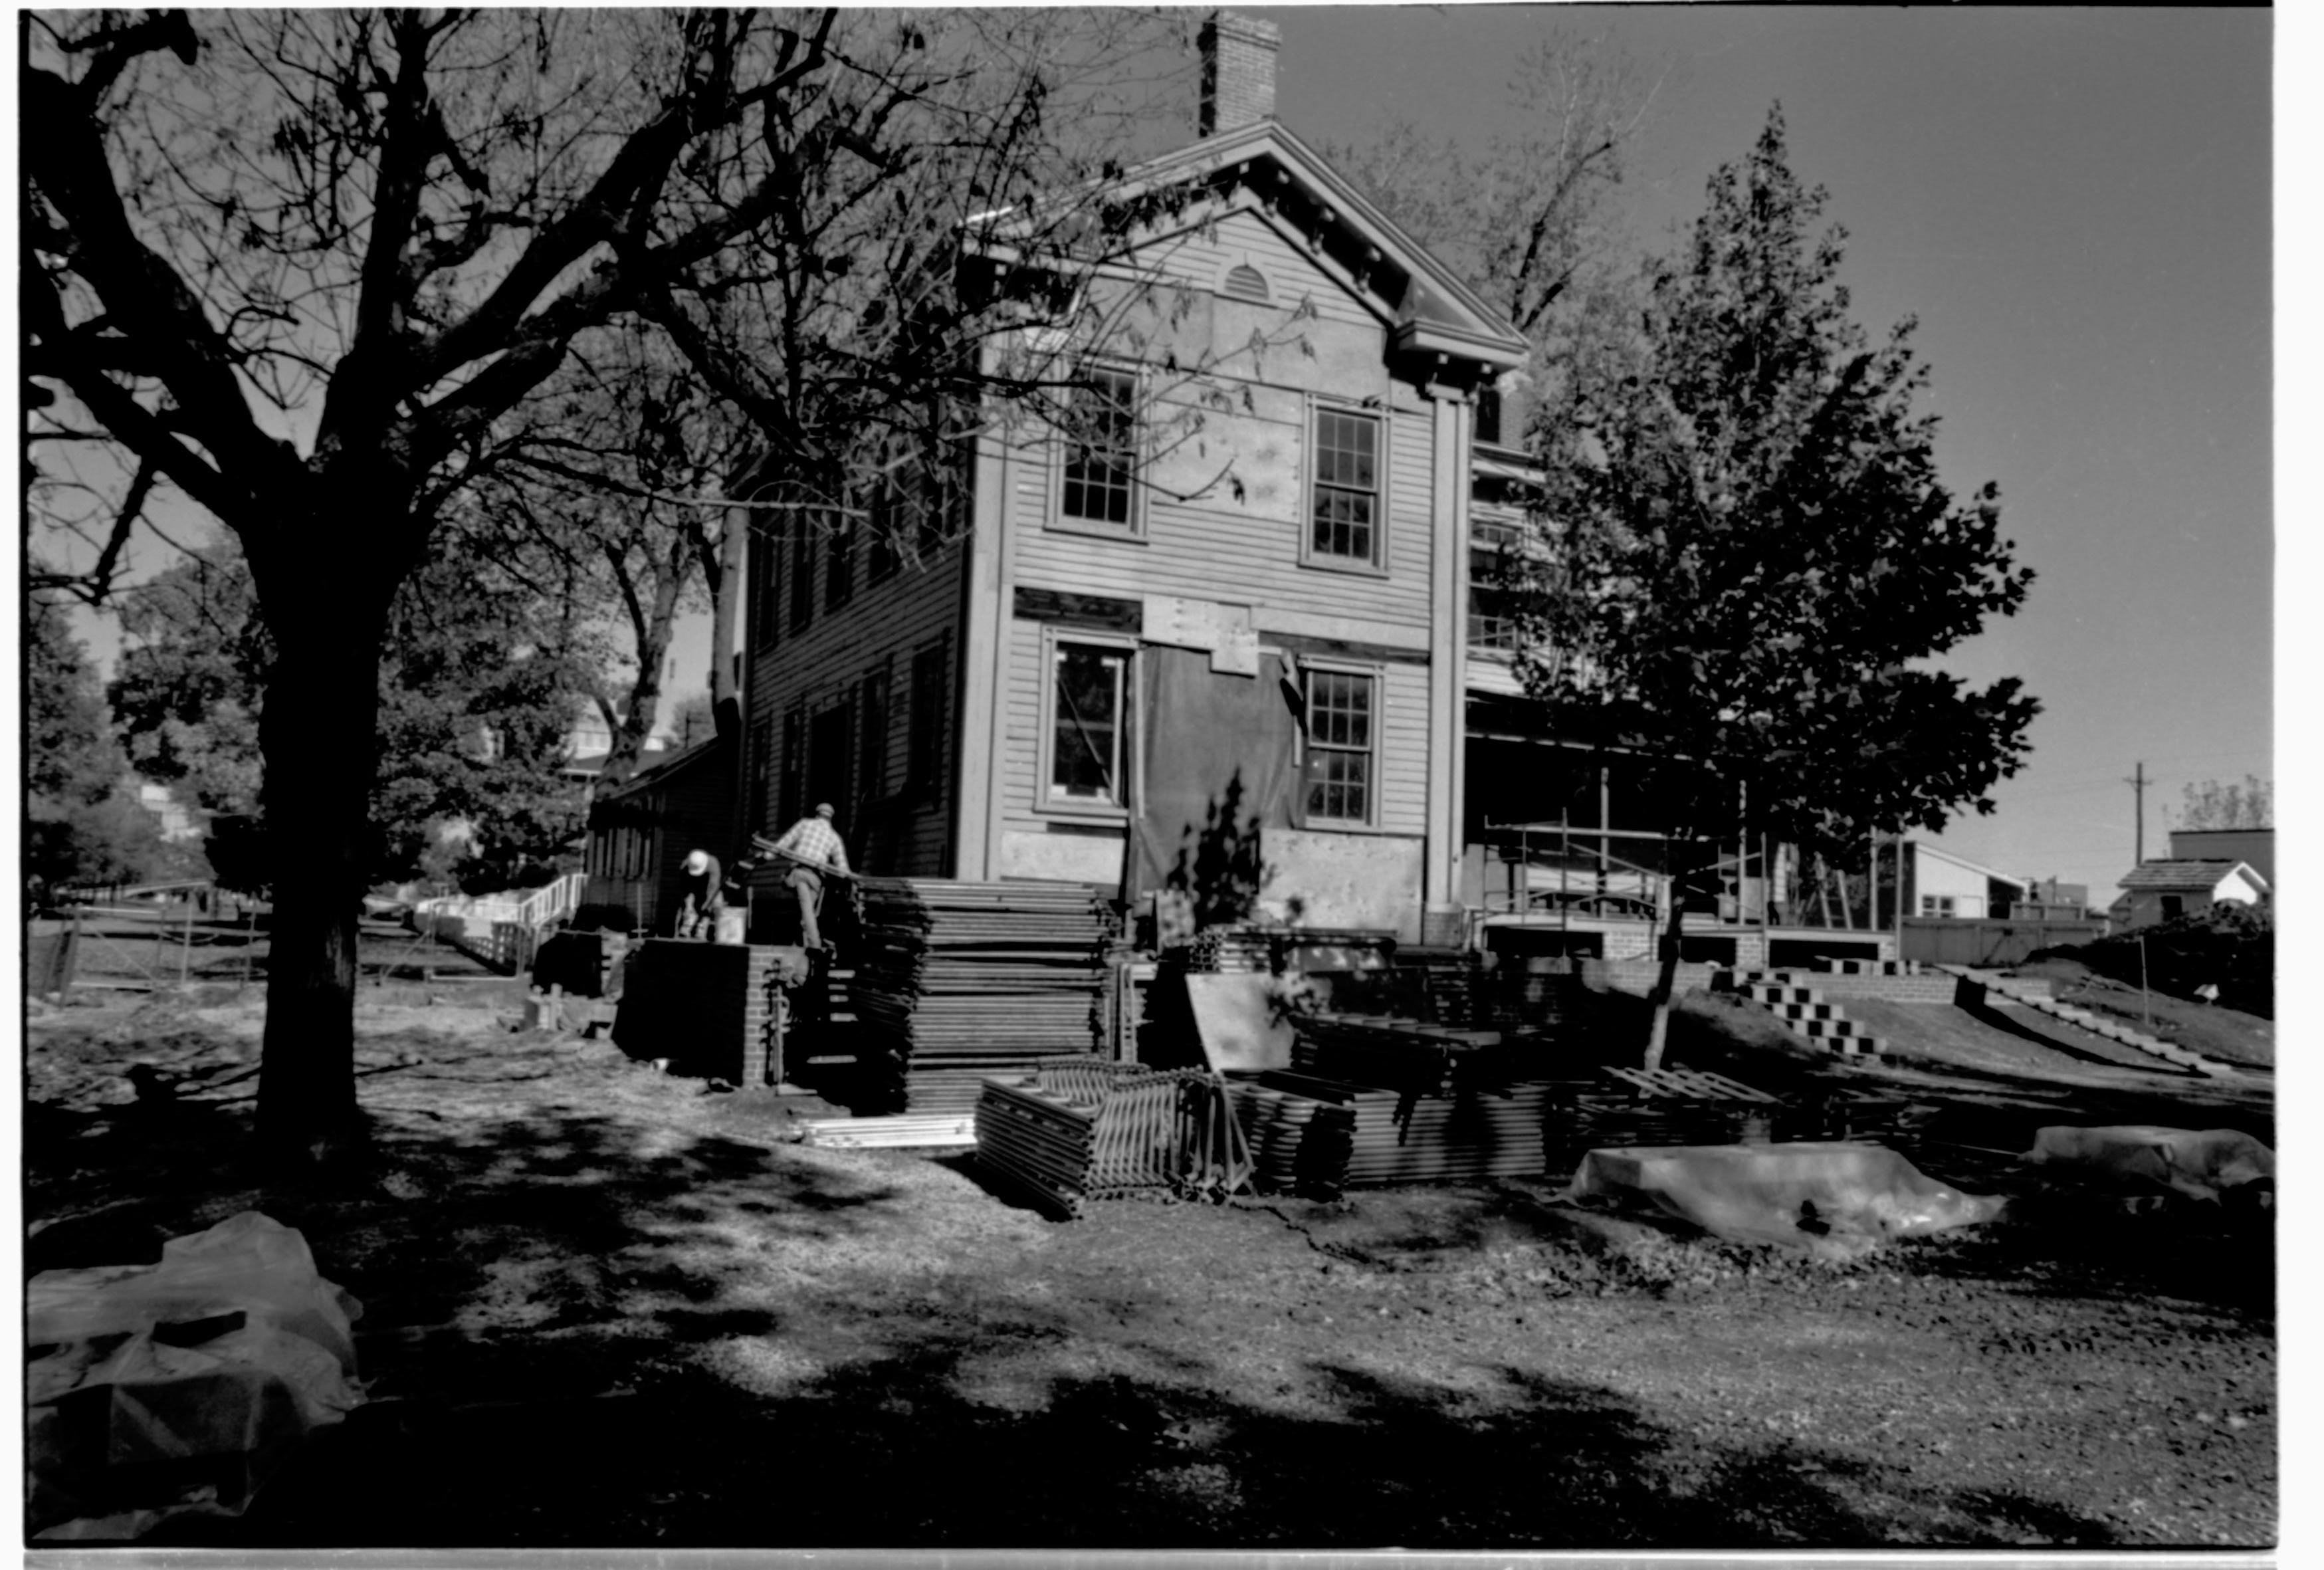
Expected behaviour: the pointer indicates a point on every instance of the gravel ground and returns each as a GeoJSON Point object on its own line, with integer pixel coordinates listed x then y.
{"type": "Point", "coordinates": [606, 1308]}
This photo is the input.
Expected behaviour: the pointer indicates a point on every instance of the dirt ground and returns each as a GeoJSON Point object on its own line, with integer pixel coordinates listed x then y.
{"type": "Point", "coordinates": [607, 1306]}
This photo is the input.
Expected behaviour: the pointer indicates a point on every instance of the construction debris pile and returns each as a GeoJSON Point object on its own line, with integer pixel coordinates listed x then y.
{"type": "Point", "coordinates": [954, 982]}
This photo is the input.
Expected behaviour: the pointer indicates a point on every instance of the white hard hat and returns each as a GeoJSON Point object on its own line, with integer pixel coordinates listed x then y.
{"type": "Point", "coordinates": [697, 861]}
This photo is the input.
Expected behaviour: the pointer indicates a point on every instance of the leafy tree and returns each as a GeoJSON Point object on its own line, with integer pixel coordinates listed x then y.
{"type": "Point", "coordinates": [2211, 805]}
{"type": "Point", "coordinates": [476, 694]}
{"type": "Point", "coordinates": [696, 719]}
{"type": "Point", "coordinates": [480, 675]}
{"type": "Point", "coordinates": [81, 822]}
{"type": "Point", "coordinates": [312, 270]}
{"type": "Point", "coordinates": [190, 679]}
{"type": "Point", "coordinates": [1745, 558]}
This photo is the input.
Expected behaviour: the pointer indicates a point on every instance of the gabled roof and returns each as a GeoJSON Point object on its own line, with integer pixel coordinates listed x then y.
{"type": "Point", "coordinates": [1434, 312]}
{"type": "Point", "coordinates": [2185, 874]}
{"type": "Point", "coordinates": [660, 771]}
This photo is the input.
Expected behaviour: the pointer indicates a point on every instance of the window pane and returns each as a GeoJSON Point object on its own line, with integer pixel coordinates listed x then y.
{"type": "Point", "coordinates": [1346, 485]}
{"type": "Point", "coordinates": [1085, 746]}
{"type": "Point", "coordinates": [1101, 425]}
{"type": "Point", "coordinates": [1339, 738]}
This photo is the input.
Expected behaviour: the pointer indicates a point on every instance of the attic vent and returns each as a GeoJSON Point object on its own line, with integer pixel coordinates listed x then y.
{"type": "Point", "coordinates": [1245, 281]}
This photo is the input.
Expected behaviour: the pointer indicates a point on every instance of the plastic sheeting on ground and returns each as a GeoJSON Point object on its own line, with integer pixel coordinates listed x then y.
{"type": "Point", "coordinates": [169, 1389]}
{"type": "Point", "coordinates": [1832, 1199]}
{"type": "Point", "coordinates": [2200, 1164]}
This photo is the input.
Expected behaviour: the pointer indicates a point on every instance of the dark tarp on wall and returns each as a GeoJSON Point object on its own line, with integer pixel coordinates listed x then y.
{"type": "Point", "coordinates": [1220, 753]}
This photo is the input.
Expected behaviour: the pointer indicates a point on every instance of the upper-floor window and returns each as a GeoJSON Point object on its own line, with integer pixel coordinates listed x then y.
{"type": "Point", "coordinates": [1937, 905]}
{"type": "Point", "coordinates": [839, 566]}
{"type": "Point", "coordinates": [1100, 430]}
{"type": "Point", "coordinates": [1345, 504]}
{"type": "Point", "coordinates": [1493, 619]}
{"type": "Point", "coordinates": [1343, 741]}
{"type": "Point", "coordinates": [765, 604]}
{"type": "Point", "coordinates": [802, 572]}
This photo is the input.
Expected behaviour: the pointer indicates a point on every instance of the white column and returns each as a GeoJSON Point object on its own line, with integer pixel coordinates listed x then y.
{"type": "Point", "coordinates": [1447, 644]}
{"type": "Point", "coordinates": [981, 651]}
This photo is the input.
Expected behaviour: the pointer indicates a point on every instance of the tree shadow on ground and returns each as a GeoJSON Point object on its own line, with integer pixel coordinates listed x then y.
{"type": "Point", "coordinates": [919, 1444]}
{"type": "Point", "coordinates": [587, 1327]}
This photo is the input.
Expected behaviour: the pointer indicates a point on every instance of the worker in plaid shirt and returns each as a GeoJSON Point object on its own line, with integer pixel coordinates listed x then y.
{"type": "Point", "coordinates": [817, 846]}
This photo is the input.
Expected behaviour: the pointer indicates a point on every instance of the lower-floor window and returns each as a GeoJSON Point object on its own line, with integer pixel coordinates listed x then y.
{"type": "Point", "coordinates": [1341, 743]}
{"type": "Point", "coordinates": [1089, 688]}
{"type": "Point", "coordinates": [1937, 905]}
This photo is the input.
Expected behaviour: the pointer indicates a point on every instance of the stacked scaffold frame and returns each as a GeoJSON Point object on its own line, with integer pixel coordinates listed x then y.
{"type": "Point", "coordinates": [961, 981]}
{"type": "Point", "coordinates": [1084, 1129]}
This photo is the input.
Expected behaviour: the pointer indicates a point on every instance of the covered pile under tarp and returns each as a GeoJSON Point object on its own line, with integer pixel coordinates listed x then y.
{"type": "Point", "coordinates": [960, 980]}
{"type": "Point", "coordinates": [1828, 1199]}
{"type": "Point", "coordinates": [2200, 1164]}
{"type": "Point", "coordinates": [169, 1390]}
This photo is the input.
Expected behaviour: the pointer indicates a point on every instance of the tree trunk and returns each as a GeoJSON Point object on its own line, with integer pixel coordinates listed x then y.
{"type": "Point", "coordinates": [725, 574]}
{"type": "Point", "coordinates": [1666, 976]}
{"type": "Point", "coordinates": [320, 738]}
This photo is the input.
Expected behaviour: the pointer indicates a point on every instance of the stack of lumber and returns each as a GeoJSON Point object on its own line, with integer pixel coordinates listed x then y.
{"type": "Point", "coordinates": [959, 980]}
{"type": "Point", "coordinates": [1084, 1129]}
{"type": "Point", "coordinates": [923, 1132]}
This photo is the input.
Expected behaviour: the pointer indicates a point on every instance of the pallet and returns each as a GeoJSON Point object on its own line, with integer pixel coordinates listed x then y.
{"type": "Point", "coordinates": [1689, 1085]}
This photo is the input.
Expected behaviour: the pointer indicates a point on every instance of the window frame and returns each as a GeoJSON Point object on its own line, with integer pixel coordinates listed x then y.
{"type": "Point", "coordinates": [1480, 593]}
{"type": "Point", "coordinates": [923, 734]}
{"type": "Point", "coordinates": [803, 554]}
{"type": "Point", "coordinates": [1134, 526]}
{"type": "Point", "coordinates": [1310, 466]}
{"type": "Point", "coordinates": [1129, 776]}
{"type": "Point", "coordinates": [762, 573]}
{"type": "Point", "coordinates": [1309, 748]}
{"type": "Point", "coordinates": [838, 564]}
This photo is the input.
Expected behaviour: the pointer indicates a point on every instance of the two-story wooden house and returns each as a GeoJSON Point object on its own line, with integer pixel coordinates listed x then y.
{"type": "Point", "coordinates": [1202, 622]}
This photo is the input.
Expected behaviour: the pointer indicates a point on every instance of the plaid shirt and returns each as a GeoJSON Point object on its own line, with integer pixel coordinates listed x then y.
{"type": "Point", "coordinates": [815, 840]}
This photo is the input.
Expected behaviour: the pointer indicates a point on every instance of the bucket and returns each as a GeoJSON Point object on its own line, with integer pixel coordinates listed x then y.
{"type": "Point", "coordinates": [732, 923]}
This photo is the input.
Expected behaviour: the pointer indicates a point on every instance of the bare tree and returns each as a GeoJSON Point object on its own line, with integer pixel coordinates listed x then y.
{"type": "Point", "coordinates": [1528, 221]}
{"type": "Point", "coordinates": [309, 270]}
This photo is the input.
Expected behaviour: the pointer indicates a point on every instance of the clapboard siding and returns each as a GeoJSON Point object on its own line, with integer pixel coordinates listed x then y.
{"type": "Point", "coordinates": [881, 628]}
{"type": "Point", "coordinates": [1403, 744]}
{"type": "Point", "coordinates": [1202, 256]}
{"type": "Point", "coordinates": [1022, 704]}
{"type": "Point", "coordinates": [1243, 549]}
{"type": "Point", "coordinates": [1403, 749]}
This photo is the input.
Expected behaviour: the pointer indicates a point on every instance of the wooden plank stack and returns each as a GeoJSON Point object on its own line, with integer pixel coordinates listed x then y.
{"type": "Point", "coordinates": [959, 980]}
{"type": "Point", "coordinates": [924, 1131]}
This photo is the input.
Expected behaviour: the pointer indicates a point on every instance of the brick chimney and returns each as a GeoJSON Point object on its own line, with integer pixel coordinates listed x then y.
{"type": "Point", "coordinates": [1238, 71]}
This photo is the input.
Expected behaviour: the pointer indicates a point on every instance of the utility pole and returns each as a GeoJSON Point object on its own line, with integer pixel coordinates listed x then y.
{"type": "Point", "coordinates": [2138, 832]}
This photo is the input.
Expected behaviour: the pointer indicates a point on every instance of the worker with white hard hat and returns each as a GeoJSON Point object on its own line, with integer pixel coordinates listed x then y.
{"type": "Point", "coordinates": [702, 894]}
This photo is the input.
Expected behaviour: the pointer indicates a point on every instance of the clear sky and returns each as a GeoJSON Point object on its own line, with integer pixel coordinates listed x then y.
{"type": "Point", "coordinates": [2076, 204]}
